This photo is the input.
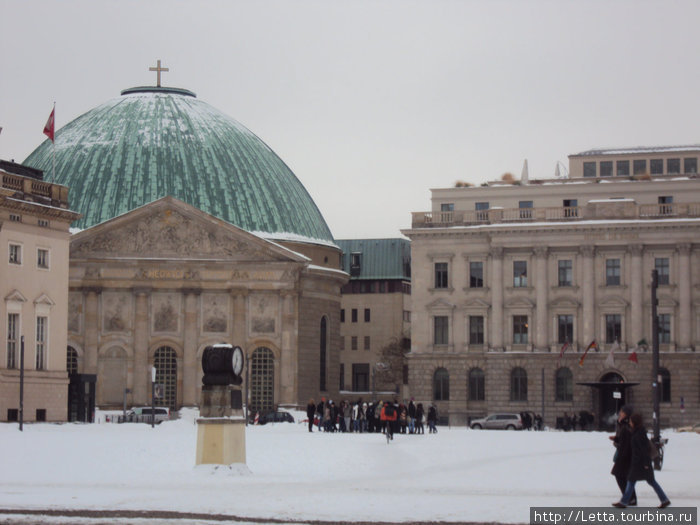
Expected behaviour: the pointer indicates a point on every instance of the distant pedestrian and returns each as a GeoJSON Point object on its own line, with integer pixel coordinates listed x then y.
{"type": "Point", "coordinates": [310, 413]}
{"type": "Point", "coordinates": [420, 413]}
{"type": "Point", "coordinates": [432, 419]}
{"type": "Point", "coordinates": [640, 466]}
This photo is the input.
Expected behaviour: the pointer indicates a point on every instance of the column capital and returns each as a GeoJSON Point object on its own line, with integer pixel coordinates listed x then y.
{"type": "Point", "coordinates": [496, 252]}
{"type": "Point", "coordinates": [92, 289]}
{"type": "Point", "coordinates": [541, 251]}
{"type": "Point", "coordinates": [587, 250]}
{"type": "Point", "coordinates": [684, 248]}
{"type": "Point", "coordinates": [239, 292]}
{"type": "Point", "coordinates": [635, 249]}
{"type": "Point", "coordinates": [191, 291]}
{"type": "Point", "coordinates": [142, 290]}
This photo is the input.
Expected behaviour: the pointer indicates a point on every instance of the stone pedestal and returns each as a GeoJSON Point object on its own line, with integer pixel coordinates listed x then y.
{"type": "Point", "coordinates": [221, 441]}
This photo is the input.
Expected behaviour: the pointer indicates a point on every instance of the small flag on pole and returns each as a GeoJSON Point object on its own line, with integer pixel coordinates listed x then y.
{"type": "Point", "coordinates": [561, 353]}
{"type": "Point", "coordinates": [583, 357]}
{"type": "Point", "coordinates": [49, 128]}
{"type": "Point", "coordinates": [610, 360]}
{"type": "Point", "coordinates": [633, 357]}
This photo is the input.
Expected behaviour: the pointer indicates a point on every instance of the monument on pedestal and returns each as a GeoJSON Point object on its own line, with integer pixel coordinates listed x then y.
{"type": "Point", "coordinates": [221, 425]}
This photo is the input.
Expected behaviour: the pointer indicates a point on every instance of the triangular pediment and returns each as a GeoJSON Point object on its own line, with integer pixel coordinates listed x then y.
{"type": "Point", "coordinates": [440, 304]}
{"type": "Point", "coordinates": [564, 302]}
{"type": "Point", "coordinates": [476, 303]}
{"type": "Point", "coordinates": [16, 296]}
{"type": "Point", "coordinates": [519, 302]}
{"type": "Point", "coordinates": [667, 301]}
{"type": "Point", "coordinates": [171, 229]}
{"type": "Point", "coordinates": [44, 299]}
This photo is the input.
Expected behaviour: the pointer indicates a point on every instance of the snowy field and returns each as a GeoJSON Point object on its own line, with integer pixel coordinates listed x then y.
{"type": "Point", "coordinates": [455, 475]}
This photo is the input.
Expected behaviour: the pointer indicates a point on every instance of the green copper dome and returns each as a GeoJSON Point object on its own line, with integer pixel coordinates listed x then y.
{"type": "Point", "coordinates": [152, 142]}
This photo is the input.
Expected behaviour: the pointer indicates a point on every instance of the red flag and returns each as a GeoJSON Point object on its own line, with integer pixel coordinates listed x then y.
{"type": "Point", "coordinates": [49, 128]}
{"type": "Point", "coordinates": [592, 345]}
{"type": "Point", "coordinates": [561, 353]}
{"type": "Point", "coordinates": [633, 357]}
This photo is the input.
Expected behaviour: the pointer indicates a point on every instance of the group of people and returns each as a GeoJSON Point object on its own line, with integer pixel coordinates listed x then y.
{"type": "Point", "coordinates": [632, 461]}
{"type": "Point", "coordinates": [380, 416]}
{"type": "Point", "coordinates": [583, 421]}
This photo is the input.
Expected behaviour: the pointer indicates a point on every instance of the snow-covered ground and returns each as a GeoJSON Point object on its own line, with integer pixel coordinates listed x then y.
{"type": "Point", "coordinates": [455, 475]}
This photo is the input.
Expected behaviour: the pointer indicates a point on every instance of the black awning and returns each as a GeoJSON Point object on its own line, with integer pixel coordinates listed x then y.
{"type": "Point", "coordinates": [605, 384]}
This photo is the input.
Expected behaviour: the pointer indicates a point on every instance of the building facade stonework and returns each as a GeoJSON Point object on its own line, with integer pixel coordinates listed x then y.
{"type": "Point", "coordinates": [157, 285]}
{"type": "Point", "coordinates": [506, 276]}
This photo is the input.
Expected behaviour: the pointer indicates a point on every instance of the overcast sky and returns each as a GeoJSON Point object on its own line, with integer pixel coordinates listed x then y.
{"type": "Point", "coordinates": [372, 103]}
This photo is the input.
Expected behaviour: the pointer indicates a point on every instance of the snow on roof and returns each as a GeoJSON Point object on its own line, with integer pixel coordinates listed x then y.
{"type": "Point", "coordinates": [637, 150]}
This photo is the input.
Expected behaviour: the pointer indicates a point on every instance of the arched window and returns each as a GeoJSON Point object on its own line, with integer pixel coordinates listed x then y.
{"type": "Point", "coordinates": [262, 381]}
{"type": "Point", "coordinates": [477, 385]}
{"type": "Point", "coordinates": [564, 385]}
{"type": "Point", "coordinates": [323, 351]}
{"type": "Point", "coordinates": [72, 360]}
{"type": "Point", "coordinates": [665, 393]}
{"type": "Point", "coordinates": [165, 361]}
{"type": "Point", "coordinates": [441, 385]}
{"type": "Point", "coordinates": [518, 384]}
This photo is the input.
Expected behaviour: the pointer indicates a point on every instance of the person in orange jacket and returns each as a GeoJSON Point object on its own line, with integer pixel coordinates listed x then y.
{"type": "Point", "coordinates": [389, 416]}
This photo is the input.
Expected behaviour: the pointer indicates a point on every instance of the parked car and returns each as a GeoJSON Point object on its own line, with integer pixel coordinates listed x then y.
{"type": "Point", "coordinates": [499, 422]}
{"type": "Point", "coordinates": [279, 416]}
{"type": "Point", "coordinates": [143, 415]}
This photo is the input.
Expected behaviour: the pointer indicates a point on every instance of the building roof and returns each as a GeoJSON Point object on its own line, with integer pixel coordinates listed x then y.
{"type": "Point", "coordinates": [379, 258]}
{"type": "Point", "coordinates": [637, 150]}
{"type": "Point", "coordinates": [152, 142]}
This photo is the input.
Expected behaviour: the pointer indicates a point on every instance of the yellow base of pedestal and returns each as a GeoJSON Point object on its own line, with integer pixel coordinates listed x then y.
{"type": "Point", "coordinates": [220, 441]}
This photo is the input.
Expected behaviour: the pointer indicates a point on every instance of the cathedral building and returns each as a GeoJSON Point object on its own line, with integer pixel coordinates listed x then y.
{"type": "Point", "coordinates": [193, 232]}
{"type": "Point", "coordinates": [535, 295]}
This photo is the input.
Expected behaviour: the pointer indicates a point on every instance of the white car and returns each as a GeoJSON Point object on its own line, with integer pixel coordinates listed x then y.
{"type": "Point", "coordinates": [143, 414]}
{"type": "Point", "coordinates": [499, 422]}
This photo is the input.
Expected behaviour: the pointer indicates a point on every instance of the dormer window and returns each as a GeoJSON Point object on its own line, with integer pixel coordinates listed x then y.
{"type": "Point", "coordinates": [355, 264]}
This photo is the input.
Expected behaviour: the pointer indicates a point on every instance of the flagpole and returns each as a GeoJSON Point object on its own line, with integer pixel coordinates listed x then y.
{"type": "Point", "coordinates": [53, 167]}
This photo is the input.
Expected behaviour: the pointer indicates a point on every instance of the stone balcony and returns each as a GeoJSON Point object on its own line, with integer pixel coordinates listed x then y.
{"type": "Point", "coordinates": [622, 209]}
{"type": "Point", "coordinates": [33, 190]}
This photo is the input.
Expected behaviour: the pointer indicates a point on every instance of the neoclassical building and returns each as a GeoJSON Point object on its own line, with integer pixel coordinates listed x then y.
{"type": "Point", "coordinates": [193, 232]}
{"type": "Point", "coordinates": [506, 275]}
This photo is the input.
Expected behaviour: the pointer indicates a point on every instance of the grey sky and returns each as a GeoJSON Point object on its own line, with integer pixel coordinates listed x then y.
{"type": "Point", "coordinates": [372, 103]}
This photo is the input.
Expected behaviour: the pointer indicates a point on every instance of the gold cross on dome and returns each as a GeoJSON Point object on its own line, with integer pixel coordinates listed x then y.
{"type": "Point", "coordinates": [158, 70]}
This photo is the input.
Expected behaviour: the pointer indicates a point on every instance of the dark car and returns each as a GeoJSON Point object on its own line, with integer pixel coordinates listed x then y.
{"type": "Point", "coordinates": [276, 417]}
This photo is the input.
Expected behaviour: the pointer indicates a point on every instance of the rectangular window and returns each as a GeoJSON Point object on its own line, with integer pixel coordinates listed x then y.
{"type": "Point", "coordinates": [360, 377]}
{"type": "Point", "coordinates": [41, 327]}
{"type": "Point", "coordinates": [43, 223]}
{"type": "Point", "coordinates": [661, 264]}
{"type": "Point", "coordinates": [690, 166]}
{"type": "Point", "coordinates": [476, 330]}
{"type": "Point", "coordinates": [664, 328]}
{"type": "Point", "coordinates": [589, 169]}
{"type": "Point", "coordinates": [15, 254]}
{"type": "Point", "coordinates": [367, 315]}
{"type": "Point", "coordinates": [656, 166]}
{"type": "Point", "coordinates": [520, 274]}
{"type": "Point", "coordinates": [355, 264]}
{"type": "Point", "coordinates": [15, 218]}
{"type": "Point", "coordinates": [367, 346]}
{"type": "Point", "coordinates": [606, 168]}
{"type": "Point", "coordinates": [566, 272]}
{"type": "Point", "coordinates": [525, 209]}
{"type": "Point", "coordinates": [520, 329]}
{"type": "Point", "coordinates": [673, 166]}
{"type": "Point", "coordinates": [342, 344]}
{"type": "Point", "coordinates": [12, 339]}
{"type": "Point", "coordinates": [441, 275]}
{"type": "Point", "coordinates": [612, 272]}
{"type": "Point", "coordinates": [406, 316]}
{"type": "Point", "coordinates": [40, 414]}
{"type": "Point", "coordinates": [639, 166]}
{"type": "Point", "coordinates": [613, 328]}
{"type": "Point", "coordinates": [440, 329]}
{"type": "Point", "coordinates": [353, 342]}
{"type": "Point", "coordinates": [623, 168]}
{"type": "Point", "coordinates": [42, 258]}
{"type": "Point", "coordinates": [565, 329]}
{"type": "Point", "coordinates": [12, 415]}
{"type": "Point", "coordinates": [342, 315]}
{"type": "Point", "coordinates": [447, 206]}
{"type": "Point", "coordinates": [482, 211]}
{"type": "Point", "coordinates": [353, 314]}
{"type": "Point", "coordinates": [476, 274]}
{"type": "Point", "coordinates": [570, 207]}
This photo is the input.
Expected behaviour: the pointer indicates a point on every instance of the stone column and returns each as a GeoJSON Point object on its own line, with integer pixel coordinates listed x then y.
{"type": "Point", "coordinates": [636, 331]}
{"type": "Point", "coordinates": [684, 325]}
{"type": "Point", "coordinates": [191, 366]}
{"type": "Point", "coordinates": [497, 298]}
{"type": "Point", "coordinates": [92, 328]}
{"type": "Point", "coordinates": [289, 352]}
{"type": "Point", "coordinates": [588, 286]}
{"type": "Point", "coordinates": [239, 331]}
{"type": "Point", "coordinates": [541, 339]}
{"type": "Point", "coordinates": [142, 378]}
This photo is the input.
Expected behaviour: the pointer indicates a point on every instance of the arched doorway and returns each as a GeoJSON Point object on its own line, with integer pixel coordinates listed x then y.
{"type": "Point", "coordinates": [612, 397]}
{"type": "Point", "coordinates": [165, 361]}
{"type": "Point", "coordinates": [262, 381]}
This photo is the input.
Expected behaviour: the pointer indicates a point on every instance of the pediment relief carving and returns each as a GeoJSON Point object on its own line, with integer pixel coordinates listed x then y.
{"type": "Point", "coordinates": [168, 233]}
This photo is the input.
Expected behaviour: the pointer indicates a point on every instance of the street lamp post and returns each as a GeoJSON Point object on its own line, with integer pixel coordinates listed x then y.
{"type": "Point", "coordinates": [21, 383]}
{"type": "Point", "coordinates": [153, 396]}
{"type": "Point", "coordinates": [655, 362]}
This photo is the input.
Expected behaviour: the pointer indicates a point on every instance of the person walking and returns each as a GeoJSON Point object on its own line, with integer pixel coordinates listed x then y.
{"type": "Point", "coordinates": [420, 429]}
{"type": "Point", "coordinates": [388, 417]}
{"type": "Point", "coordinates": [310, 413]}
{"type": "Point", "coordinates": [432, 419]}
{"type": "Point", "coordinates": [640, 465]}
{"type": "Point", "coordinates": [411, 417]}
{"type": "Point", "coordinates": [623, 451]}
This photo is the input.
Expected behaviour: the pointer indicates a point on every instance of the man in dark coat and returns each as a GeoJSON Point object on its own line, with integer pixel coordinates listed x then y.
{"type": "Point", "coordinates": [310, 412]}
{"type": "Point", "coordinates": [640, 465]}
{"type": "Point", "coordinates": [623, 451]}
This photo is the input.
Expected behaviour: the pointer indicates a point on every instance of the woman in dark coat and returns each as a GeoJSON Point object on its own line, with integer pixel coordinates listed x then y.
{"type": "Point", "coordinates": [640, 464]}
{"type": "Point", "coordinates": [310, 413]}
{"type": "Point", "coordinates": [623, 452]}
